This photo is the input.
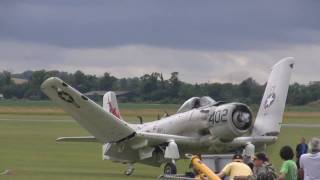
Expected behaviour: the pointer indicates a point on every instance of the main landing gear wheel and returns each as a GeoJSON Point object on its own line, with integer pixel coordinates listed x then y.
{"type": "Point", "coordinates": [170, 168]}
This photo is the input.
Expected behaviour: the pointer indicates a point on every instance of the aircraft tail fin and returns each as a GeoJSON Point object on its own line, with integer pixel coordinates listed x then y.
{"type": "Point", "coordinates": [270, 114]}
{"type": "Point", "coordinates": [110, 104]}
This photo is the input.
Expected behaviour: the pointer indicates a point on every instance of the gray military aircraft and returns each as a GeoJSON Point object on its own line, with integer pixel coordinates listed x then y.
{"type": "Point", "coordinates": [200, 126]}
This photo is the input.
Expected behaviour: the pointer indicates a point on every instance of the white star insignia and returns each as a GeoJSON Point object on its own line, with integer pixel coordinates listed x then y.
{"type": "Point", "coordinates": [269, 100]}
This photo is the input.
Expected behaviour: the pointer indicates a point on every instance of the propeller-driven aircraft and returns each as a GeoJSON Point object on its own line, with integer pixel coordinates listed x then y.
{"type": "Point", "coordinates": [200, 126]}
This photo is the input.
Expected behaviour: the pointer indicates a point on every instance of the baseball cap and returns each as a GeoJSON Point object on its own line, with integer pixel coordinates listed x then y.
{"type": "Point", "coordinates": [237, 157]}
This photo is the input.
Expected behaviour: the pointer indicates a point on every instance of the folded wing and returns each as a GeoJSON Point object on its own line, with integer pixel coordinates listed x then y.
{"type": "Point", "coordinates": [104, 126]}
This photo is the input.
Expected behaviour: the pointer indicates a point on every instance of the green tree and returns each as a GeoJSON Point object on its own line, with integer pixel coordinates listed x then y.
{"type": "Point", "coordinates": [174, 84]}
{"type": "Point", "coordinates": [106, 82]}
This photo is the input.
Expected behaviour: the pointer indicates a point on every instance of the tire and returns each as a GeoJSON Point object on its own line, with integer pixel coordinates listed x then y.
{"type": "Point", "coordinates": [170, 168]}
{"type": "Point", "coordinates": [129, 172]}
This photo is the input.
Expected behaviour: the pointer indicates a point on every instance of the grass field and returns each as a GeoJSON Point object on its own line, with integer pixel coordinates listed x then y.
{"type": "Point", "coordinates": [28, 131]}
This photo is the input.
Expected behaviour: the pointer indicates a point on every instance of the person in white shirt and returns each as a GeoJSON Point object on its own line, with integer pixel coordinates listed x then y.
{"type": "Point", "coordinates": [248, 152]}
{"type": "Point", "coordinates": [310, 163]}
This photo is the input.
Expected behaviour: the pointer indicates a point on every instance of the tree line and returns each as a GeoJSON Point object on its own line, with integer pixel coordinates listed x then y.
{"type": "Point", "coordinates": [151, 87]}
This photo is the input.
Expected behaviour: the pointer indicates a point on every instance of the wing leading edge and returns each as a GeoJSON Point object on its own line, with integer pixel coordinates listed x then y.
{"type": "Point", "coordinates": [104, 126]}
{"type": "Point", "coordinates": [77, 139]}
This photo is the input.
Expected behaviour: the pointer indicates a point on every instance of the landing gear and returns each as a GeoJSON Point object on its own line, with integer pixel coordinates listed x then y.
{"type": "Point", "coordinates": [130, 170]}
{"type": "Point", "coordinates": [170, 168]}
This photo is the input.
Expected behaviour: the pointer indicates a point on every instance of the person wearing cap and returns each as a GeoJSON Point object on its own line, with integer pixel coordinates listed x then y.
{"type": "Point", "coordinates": [263, 169]}
{"type": "Point", "coordinates": [236, 169]}
{"type": "Point", "coordinates": [310, 163]}
{"type": "Point", "coordinates": [289, 170]}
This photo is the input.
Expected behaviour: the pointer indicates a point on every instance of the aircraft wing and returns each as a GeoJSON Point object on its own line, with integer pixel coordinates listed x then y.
{"type": "Point", "coordinates": [144, 139]}
{"type": "Point", "coordinates": [254, 140]}
{"type": "Point", "coordinates": [151, 139]}
{"type": "Point", "coordinates": [77, 139]}
{"type": "Point", "coordinates": [101, 124]}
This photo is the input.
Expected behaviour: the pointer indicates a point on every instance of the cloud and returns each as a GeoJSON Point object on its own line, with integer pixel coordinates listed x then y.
{"type": "Point", "coordinates": [205, 41]}
{"type": "Point", "coordinates": [181, 24]}
{"type": "Point", "coordinates": [195, 66]}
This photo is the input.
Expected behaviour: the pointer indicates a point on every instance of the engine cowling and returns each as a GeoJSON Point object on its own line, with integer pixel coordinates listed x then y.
{"type": "Point", "coordinates": [230, 121]}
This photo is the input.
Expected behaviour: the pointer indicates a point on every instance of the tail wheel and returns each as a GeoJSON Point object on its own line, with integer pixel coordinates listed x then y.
{"type": "Point", "coordinates": [170, 168]}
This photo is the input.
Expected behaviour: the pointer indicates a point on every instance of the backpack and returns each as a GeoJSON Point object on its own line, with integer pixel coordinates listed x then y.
{"type": "Point", "coordinates": [268, 174]}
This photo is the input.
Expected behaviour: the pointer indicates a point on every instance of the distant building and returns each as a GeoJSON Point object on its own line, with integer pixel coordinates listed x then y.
{"type": "Point", "coordinates": [98, 95]}
{"type": "Point", "coordinates": [19, 81]}
{"type": "Point", "coordinates": [95, 93]}
{"type": "Point", "coordinates": [314, 83]}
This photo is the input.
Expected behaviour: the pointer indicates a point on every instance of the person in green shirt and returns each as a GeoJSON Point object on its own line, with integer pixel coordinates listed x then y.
{"type": "Point", "coordinates": [289, 170]}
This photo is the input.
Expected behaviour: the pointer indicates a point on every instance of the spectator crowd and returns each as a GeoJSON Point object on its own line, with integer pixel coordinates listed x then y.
{"type": "Point", "coordinates": [306, 166]}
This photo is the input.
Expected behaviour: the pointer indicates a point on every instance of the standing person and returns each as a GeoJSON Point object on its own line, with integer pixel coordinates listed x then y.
{"type": "Point", "coordinates": [289, 170]}
{"type": "Point", "coordinates": [263, 169]}
{"type": "Point", "coordinates": [301, 149]}
{"type": "Point", "coordinates": [236, 169]}
{"type": "Point", "coordinates": [310, 163]}
{"type": "Point", "coordinates": [248, 153]}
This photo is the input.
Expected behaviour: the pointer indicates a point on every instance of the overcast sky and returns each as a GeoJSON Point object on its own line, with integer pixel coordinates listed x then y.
{"type": "Point", "coordinates": [205, 41]}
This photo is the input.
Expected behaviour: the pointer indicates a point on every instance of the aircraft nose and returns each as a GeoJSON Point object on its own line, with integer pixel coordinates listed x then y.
{"type": "Point", "coordinates": [242, 120]}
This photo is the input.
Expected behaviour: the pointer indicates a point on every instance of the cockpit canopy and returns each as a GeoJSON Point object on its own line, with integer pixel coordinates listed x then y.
{"type": "Point", "coordinates": [196, 102]}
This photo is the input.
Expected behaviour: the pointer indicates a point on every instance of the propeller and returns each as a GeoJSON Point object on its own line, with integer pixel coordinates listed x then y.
{"type": "Point", "coordinates": [241, 119]}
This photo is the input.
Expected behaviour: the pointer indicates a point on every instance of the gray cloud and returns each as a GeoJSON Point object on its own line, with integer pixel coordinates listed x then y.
{"type": "Point", "coordinates": [206, 41]}
{"type": "Point", "coordinates": [136, 60]}
{"type": "Point", "coordinates": [177, 24]}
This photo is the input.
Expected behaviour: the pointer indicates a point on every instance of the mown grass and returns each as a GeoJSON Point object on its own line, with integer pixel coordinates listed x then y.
{"type": "Point", "coordinates": [28, 148]}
